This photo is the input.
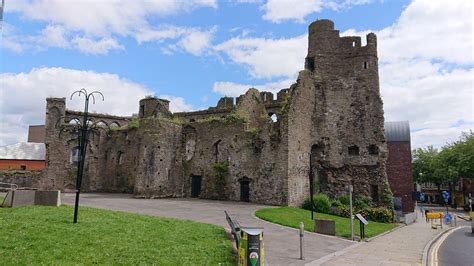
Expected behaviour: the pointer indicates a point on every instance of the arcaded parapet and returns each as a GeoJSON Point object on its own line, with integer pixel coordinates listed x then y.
{"type": "Point", "coordinates": [338, 95]}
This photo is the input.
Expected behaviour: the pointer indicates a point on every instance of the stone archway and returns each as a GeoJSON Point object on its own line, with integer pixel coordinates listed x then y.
{"type": "Point", "coordinates": [244, 189]}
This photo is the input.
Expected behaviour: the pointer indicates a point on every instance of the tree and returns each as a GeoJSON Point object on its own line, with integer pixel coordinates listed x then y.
{"type": "Point", "coordinates": [455, 160]}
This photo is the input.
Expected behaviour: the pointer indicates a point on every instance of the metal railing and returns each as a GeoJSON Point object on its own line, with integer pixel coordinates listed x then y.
{"type": "Point", "coordinates": [8, 186]}
{"type": "Point", "coordinates": [234, 227]}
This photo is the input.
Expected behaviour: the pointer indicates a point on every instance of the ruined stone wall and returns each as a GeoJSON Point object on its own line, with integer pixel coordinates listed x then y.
{"type": "Point", "coordinates": [346, 143]}
{"type": "Point", "coordinates": [254, 154]}
{"type": "Point", "coordinates": [159, 170]}
{"type": "Point", "coordinates": [60, 141]}
{"type": "Point", "coordinates": [24, 179]}
{"type": "Point", "coordinates": [330, 120]}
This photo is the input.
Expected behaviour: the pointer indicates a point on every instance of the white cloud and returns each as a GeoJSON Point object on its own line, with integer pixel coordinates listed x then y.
{"type": "Point", "coordinates": [99, 18]}
{"type": "Point", "coordinates": [278, 11]}
{"type": "Point", "coordinates": [192, 40]}
{"type": "Point", "coordinates": [267, 58]}
{"type": "Point", "coordinates": [23, 97]}
{"type": "Point", "coordinates": [178, 104]}
{"type": "Point", "coordinates": [53, 36]}
{"type": "Point", "coordinates": [196, 42]}
{"type": "Point", "coordinates": [101, 46]}
{"type": "Point", "coordinates": [232, 89]}
{"type": "Point", "coordinates": [433, 30]}
{"type": "Point", "coordinates": [89, 23]}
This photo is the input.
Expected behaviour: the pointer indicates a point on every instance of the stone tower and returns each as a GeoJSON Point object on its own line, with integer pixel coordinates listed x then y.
{"type": "Point", "coordinates": [335, 118]}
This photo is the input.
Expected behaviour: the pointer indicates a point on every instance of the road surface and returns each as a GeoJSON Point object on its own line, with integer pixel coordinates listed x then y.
{"type": "Point", "coordinates": [458, 248]}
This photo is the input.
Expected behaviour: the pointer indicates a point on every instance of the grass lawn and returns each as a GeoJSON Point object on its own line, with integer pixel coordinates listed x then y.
{"type": "Point", "coordinates": [46, 235]}
{"type": "Point", "coordinates": [293, 216]}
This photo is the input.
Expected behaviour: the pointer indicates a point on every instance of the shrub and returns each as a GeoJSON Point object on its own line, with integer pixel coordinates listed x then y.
{"type": "Point", "coordinates": [344, 199]}
{"type": "Point", "coordinates": [233, 117]}
{"type": "Point", "coordinates": [134, 123]}
{"type": "Point", "coordinates": [336, 203]}
{"type": "Point", "coordinates": [322, 203]}
{"type": "Point", "coordinates": [387, 198]}
{"type": "Point", "coordinates": [380, 214]}
{"type": "Point", "coordinates": [362, 202]}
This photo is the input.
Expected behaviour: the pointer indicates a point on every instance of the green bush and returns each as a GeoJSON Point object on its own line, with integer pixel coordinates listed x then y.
{"type": "Point", "coordinates": [322, 203]}
{"type": "Point", "coordinates": [362, 202]}
{"type": "Point", "coordinates": [380, 214]}
{"type": "Point", "coordinates": [336, 203]}
{"type": "Point", "coordinates": [344, 199]}
{"type": "Point", "coordinates": [387, 198]}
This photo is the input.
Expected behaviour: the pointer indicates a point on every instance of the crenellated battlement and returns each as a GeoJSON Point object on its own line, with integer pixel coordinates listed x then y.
{"type": "Point", "coordinates": [266, 97]}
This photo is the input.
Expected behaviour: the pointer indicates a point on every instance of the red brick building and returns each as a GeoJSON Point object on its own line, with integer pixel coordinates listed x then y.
{"type": "Point", "coordinates": [23, 156]}
{"type": "Point", "coordinates": [399, 169]}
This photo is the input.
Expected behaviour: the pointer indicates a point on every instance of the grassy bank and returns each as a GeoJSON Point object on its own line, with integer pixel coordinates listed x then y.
{"type": "Point", "coordinates": [292, 217]}
{"type": "Point", "coordinates": [46, 235]}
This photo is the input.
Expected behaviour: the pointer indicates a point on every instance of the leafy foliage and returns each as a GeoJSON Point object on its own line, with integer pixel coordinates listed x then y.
{"type": "Point", "coordinates": [322, 203]}
{"type": "Point", "coordinates": [344, 199]}
{"type": "Point", "coordinates": [221, 171]}
{"type": "Point", "coordinates": [363, 202]}
{"type": "Point", "coordinates": [293, 216]}
{"type": "Point", "coordinates": [134, 123]}
{"type": "Point", "coordinates": [447, 166]}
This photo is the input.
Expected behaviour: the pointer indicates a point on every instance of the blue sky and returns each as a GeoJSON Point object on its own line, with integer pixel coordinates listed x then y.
{"type": "Point", "coordinates": [194, 52]}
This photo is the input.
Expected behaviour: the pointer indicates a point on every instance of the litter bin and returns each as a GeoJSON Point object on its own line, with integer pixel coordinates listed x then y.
{"type": "Point", "coordinates": [251, 246]}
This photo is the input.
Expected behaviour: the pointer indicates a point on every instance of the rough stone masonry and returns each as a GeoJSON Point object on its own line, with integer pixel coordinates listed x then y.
{"type": "Point", "coordinates": [255, 148]}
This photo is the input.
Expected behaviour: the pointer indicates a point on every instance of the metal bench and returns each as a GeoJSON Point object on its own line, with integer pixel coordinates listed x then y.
{"type": "Point", "coordinates": [234, 227]}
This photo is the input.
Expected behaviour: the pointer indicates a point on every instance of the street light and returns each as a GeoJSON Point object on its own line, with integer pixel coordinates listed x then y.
{"type": "Point", "coordinates": [83, 129]}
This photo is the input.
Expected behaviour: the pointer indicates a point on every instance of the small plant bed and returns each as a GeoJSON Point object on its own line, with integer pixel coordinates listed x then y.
{"type": "Point", "coordinates": [293, 216]}
{"type": "Point", "coordinates": [38, 235]}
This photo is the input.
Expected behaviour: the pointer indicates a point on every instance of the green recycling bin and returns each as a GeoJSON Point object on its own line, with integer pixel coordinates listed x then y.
{"type": "Point", "coordinates": [251, 246]}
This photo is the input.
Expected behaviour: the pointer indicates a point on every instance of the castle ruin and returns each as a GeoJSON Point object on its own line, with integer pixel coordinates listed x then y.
{"type": "Point", "coordinates": [256, 148]}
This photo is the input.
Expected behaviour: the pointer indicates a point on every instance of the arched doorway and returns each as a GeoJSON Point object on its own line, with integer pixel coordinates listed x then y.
{"type": "Point", "coordinates": [196, 182]}
{"type": "Point", "coordinates": [245, 189]}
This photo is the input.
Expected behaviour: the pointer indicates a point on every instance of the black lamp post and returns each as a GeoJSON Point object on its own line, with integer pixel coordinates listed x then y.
{"type": "Point", "coordinates": [311, 186]}
{"type": "Point", "coordinates": [83, 129]}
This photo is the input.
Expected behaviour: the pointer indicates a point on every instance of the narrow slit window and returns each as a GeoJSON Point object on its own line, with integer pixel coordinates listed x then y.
{"type": "Point", "coordinates": [366, 65]}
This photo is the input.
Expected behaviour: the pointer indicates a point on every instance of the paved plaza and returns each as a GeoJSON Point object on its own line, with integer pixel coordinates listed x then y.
{"type": "Point", "coordinates": [281, 243]}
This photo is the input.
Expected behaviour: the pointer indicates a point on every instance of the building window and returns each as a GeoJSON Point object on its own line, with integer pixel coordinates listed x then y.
{"type": "Point", "coordinates": [142, 110]}
{"type": "Point", "coordinates": [373, 150]}
{"type": "Point", "coordinates": [310, 63]}
{"type": "Point", "coordinates": [114, 125]}
{"type": "Point", "coordinates": [273, 117]}
{"type": "Point", "coordinates": [353, 150]}
{"type": "Point", "coordinates": [216, 151]}
{"type": "Point", "coordinates": [23, 167]}
{"type": "Point", "coordinates": [74, 157]}
{"type": "Point", "coordinates": [120, 158]}
{"type": "Point", "coordinates": [374, 192]}
{"type": "Point", "coordinates": [366, 65]}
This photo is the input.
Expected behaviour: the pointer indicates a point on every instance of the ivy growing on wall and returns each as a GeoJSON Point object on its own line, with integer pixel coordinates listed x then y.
{"type": "Point", "coordinates": [221, 171]}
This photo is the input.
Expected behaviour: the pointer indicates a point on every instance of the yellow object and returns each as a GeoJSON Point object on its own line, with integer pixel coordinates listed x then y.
{"type": "Point", "coordinates": [434, 215]}
{"type": "Point", "coordinates": [251, 247]}
{"type": "Point", "coordinates": [471, 214]}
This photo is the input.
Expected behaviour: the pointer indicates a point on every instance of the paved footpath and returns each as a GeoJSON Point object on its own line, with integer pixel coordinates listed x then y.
{"type": "Point", "coordinates": [281, 243]}
{"type": "Point", "coordinates": [403, 246]}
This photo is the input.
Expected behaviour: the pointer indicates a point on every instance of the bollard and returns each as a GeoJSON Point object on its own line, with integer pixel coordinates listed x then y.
{"type": "Point", "coordinates": [251, 247]}
{"type": "Point", "coordinates": [301, 240]}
